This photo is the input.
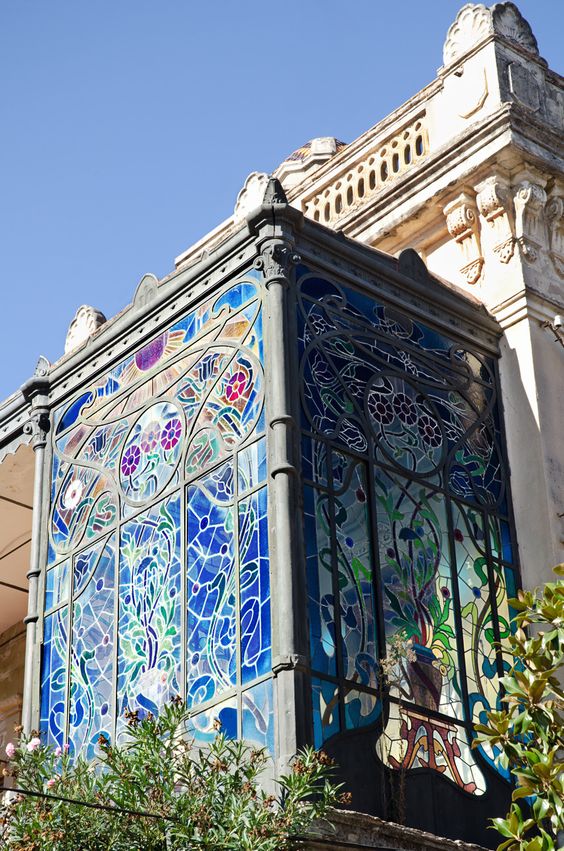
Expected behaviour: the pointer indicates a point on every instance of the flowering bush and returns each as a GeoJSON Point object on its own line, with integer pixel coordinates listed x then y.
{"type": "Point", "coordinates": [529, 729]}
{"type": "Point", "coordinates": [157, 792]}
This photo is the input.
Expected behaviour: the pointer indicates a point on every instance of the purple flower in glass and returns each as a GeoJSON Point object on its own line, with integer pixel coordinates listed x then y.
{"type": "Point", "coordinates": [130, 460]}
{"type": "Point", "coordinates": [429, 430]}
{"type": "Point", "coordinates": [170, 434]}
{"type": "Point", "coordinates": [380, 408]}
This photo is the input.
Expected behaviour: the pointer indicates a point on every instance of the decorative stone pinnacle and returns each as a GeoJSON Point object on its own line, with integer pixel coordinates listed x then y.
{"type": "Point", "coordinates": [86, 322]}
{"type": "Point", "coordinates": [251, 195]}
{"type": "Point", "coordinates": [475, 22]}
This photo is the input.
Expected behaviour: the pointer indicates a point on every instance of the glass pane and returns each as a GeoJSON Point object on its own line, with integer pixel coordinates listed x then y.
{"type": "Point", "coordinates": [258, 716]}
{"type": "Point", "coordinates": [355, 573]}
{"type": "Point", "coordinates": [204, 726]}
{"type": "Point", "coordinates": [92, 669]}
{"type": "Point", "coordinates": [212, 596]}
{"type": "Point", "coordinates": [254, 578]}
{"type": "Point", "coordinates": [54, 676]}
{"type": "Point", "coordinates": [57, 585]}
{"type": "Point", "coordinates": [149, 609]}
{"type": "Point", "coordinates": [326, 723]}
{"type": "Point", "coordinates": [321, 601]}
{"type": "Point", "coordinates": [417, 593]}
{"type": "Point", "coordinates": [251, 464]}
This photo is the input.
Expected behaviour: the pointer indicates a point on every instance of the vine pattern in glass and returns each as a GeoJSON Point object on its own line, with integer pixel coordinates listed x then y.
{"type": "Point", "coordinates": [383, 392]}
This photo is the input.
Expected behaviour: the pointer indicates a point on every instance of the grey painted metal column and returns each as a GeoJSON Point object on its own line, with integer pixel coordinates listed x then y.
{"type": "Point", "coordinates": [36, 391]}
{"type": "Point", "coordinates": [274, 224]}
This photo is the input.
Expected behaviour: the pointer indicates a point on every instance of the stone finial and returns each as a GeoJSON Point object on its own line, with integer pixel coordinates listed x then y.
{"type": "Point", "coordinates": [86, 322]}
{"type": "Point", "coordinates": [475, 22]}
{"type": "Point", "coordinates": [251, 195]}
{"type": "Point", "coordinates": [274, 193]}
{"type": "Point", "coordinates": [147, 290]}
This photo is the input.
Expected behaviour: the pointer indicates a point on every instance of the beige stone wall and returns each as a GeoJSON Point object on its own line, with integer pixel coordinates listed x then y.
{"type": "Point", "coordinates": [12, 654]}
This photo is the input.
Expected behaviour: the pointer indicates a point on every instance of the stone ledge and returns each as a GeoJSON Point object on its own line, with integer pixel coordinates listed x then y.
{"type": "Point", "coordinates": [352, 830]}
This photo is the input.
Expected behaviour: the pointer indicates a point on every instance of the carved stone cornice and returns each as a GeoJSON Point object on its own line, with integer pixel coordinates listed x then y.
{"type": "Point", "coordinates": [463, 225]}
{"type": "Point", "coordinates": [529, 200]}
{"type": "Point", "coordinates": [554, 212]}
{"type": "Point", "coordinates": [495, 205]}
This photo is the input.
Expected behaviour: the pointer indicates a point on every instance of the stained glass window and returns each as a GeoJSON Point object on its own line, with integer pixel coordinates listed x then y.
{"type": "Point", "coordinates": [158, 579]}
{"type": "Point", "coordinates": [407, 541]}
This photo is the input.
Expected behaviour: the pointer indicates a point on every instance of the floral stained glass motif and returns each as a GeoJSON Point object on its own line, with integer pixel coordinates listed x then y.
{"type": "Point", "coordinates": [404, 495]}
{"type": "Point", "coordinates": [158, 575]}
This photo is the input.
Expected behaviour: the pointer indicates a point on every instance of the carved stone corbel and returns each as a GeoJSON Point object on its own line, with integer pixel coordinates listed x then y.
{"type": "Point", "coordinates": [554, 212]}
{"type": "Point", "coordinates": [529, 200]}
{"type": "Point", "coordinates": [495, 205]}
{"type": "Point", "coordinates": [462, 223]}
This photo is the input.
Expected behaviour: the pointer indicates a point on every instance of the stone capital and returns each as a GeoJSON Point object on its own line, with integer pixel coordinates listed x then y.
{"type": "Point", "coordinates": [554, 214]}
{"type": "Point", "coordinates": [529, 199]}
{"type": "Point", "coordinates": [276, 260]}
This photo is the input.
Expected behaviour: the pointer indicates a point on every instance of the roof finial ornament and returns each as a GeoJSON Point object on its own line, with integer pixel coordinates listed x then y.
{"type": "Point", "coordinates": [86, 322]}
{"type": "Point", "coordinates": [475, 22]}
{"type": "Point", "coordinates": [274, 193]}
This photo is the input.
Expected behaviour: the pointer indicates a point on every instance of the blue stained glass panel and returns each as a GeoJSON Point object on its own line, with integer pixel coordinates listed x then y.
{"type": "Point", "coordinates": [212, 590]}
{"type": "Point", "coordinates": [258, 716]}
{"type": "Point", "coordinates": [254, 582]}
{"type": "Point", "coordinates": [355, 572]}
{"type": "Point", "coordinates": [92, 650]}
{"type": "Point", "coordinates": [251, 465]}
{"type": "Point", "coordinates": [204, 726]}
{"type": "Point", "coordinates": [325, 697]}
{"type": "Point", "coordinates": [149, 609]}
{"type": "Point", "coordinates": [361, 709]}
{"type": "Point", "coordinates": [54, 676]}
{"type": "Point", "coordinates": [321, 599]}
{"type": "Point", "coordinates": [57, 585]}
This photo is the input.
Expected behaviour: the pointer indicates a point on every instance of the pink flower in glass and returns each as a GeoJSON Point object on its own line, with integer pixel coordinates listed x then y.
{"type": "Point", "coordinates": [130, 460]}
{"type": "Point", "coordinates": [10, 750]}
{"type": "Point", "coordinates": [236, 386]}
{"type": "Point", "coordinates": [150, 437]}
{"type": "Point", "coordinates": [170, 434]}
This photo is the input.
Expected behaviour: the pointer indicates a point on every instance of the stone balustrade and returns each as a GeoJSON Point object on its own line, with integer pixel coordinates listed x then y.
{"type": "Point", "coordinates": [384, 162]}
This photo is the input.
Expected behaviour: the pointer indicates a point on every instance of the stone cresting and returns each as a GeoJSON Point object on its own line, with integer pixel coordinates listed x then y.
{"type": "Point", "coordinates": [86, 322]}
{"type": "Point", "coordinates": [475, 22]}
{"type": "Point", "coordinates": [383, 163]}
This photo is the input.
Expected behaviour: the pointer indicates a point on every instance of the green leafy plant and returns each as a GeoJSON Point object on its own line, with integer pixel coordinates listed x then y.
{"type": "Point", "coordinates": [529, 730]}
{"type": "Point", "coordinates": [156, 791]}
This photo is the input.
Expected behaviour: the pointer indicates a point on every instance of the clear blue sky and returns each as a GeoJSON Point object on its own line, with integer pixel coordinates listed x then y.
{"type": "Point", "coordinates": [129, 126]}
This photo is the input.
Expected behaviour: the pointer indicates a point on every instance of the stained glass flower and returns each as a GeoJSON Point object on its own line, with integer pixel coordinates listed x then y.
{"type": "Point", "coordinates": [429, 430]}
{"type": "Point", "coordinates": [380, 408]}
{"type": "Point", "coordinates": [73, 494]}
{"type": "Point", "coordinates": [130, 460]}
{"type": "Point", "coordinates": [150, 436]}
{"type": "Point", "coordinates": [236, 386]}
{"type": "Point", "coordinates": [405, 409]}
{"type": "Point", "coordinates": [170, 434]}
{"type": "Point", "coordinates": [458, 536]}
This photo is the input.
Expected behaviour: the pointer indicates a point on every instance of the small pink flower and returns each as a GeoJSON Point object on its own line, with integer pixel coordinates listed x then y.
{"type": "Point", "coordinates": [66, 747]}
{"type": "Point", "coordinates": [33, 744]}
{"type": "Point", "coordinates": [10, 750]}
{"type": "Point", "coordinates": [58, 750]}
{"type": "Point", "coordinates": [51, 782]}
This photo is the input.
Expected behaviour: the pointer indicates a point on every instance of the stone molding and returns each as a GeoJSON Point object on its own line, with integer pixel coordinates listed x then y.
{"type": "Point", "coordinates": [346, 829]}
{"type": "Point", "coordinates": [475, 22]}
{"type": "Point", "coordinates": [463, 225]}
{"type": "Point", "coordinates": [86, 322]}
{"type": "Point", "coordinates": [529, 201]}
